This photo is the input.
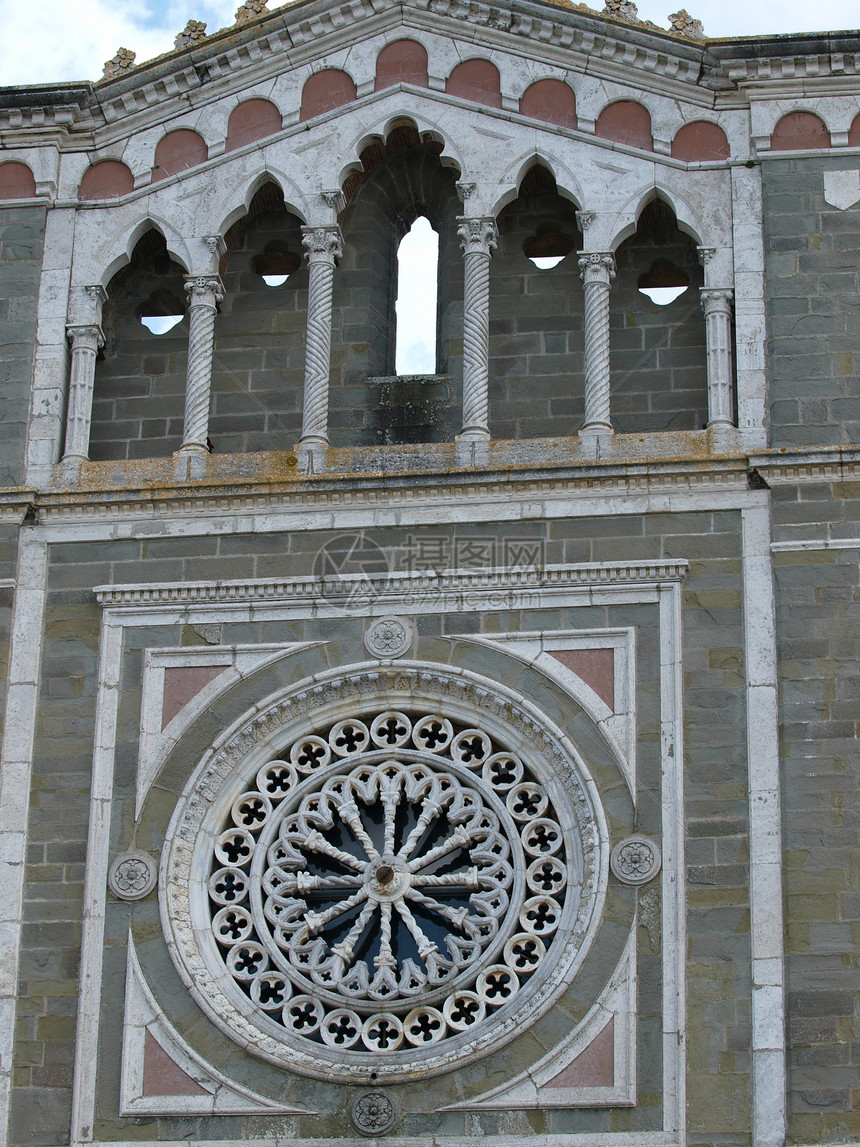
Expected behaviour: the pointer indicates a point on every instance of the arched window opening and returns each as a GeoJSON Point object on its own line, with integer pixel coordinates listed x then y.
{"type": "Point", "coordinates": [657, 329]}
{"type": "Point", "coordinates": [536, 307]}
{"type": "Point", "coordinates": [139, 392]}
{"type": "Point", "coordinates": [259, 358]}
{"type": "Point", "coordinates": [384, 390]}
{"type": "Point", "coordinates": [548, 247]}
{"type": "Point", "coordinates": [417, 276]}
{"type": "Point", "coordinates": [276, 263]}
{"type": "Point", "coordinates": [663, 283]}
{"type": "Point", "coordinates": [161, 312]}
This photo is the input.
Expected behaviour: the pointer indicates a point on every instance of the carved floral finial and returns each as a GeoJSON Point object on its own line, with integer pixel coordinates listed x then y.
{"type": "Point", "coordinates": [122, 62]}
{"type": "Point", "coordinates": [681, 23]}
{"type": "Point", "coordinates": [193, 32]}
{"type": "Point", "coordinates": [250, 10]}
{"type": "Point", "coordinates": [621, 10]}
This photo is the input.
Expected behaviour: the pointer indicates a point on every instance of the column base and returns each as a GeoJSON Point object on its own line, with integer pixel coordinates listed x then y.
{"type": "Point", "coordinates": [595, 439]}
{"type": "Point", "coordinates": [311, 455]}
{"type": "Point", "coordinates": [472, 446]}
{"type": "Point", "coordinates": [722, 436]}
{"type": "Point", "coordinates": [193, 448]}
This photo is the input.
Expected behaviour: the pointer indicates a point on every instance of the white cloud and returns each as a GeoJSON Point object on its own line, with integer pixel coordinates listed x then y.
{"type": "Point", "coordinates": [72, 38]}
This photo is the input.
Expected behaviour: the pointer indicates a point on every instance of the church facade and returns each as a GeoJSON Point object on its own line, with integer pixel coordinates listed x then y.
{"type": "Point", "coordinates": [444, 756]}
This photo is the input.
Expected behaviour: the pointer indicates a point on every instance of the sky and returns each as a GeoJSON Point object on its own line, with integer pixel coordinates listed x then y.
{"type": "Point", "coordinates": [71, 39]}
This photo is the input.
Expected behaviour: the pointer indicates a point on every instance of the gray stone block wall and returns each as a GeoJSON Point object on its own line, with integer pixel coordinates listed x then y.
{"type": "Point", "coordinates": [22, 232]}
{"type": "Point", "coordinates": [718, 955]}
{"type": "Point", "coordinates": [818, 618]}
{"type": "Point", "coordinates": [812, 277]}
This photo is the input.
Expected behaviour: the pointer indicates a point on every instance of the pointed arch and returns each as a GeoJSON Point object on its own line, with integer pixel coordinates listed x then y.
{"type": "Point", "coordinates": [106, 259]}
{"type": "Point", "coordinates": [508, 186]}
{"type": "Point", "coordinates": [236, 199]}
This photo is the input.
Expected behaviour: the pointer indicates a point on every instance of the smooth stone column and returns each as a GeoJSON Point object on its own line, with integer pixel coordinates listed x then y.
{"type": "Point", "coordinates": [324, 246]}
{"type": "Point", "coordinates": [717, 305]}
{"type": "Point", "coordinates": [478, 238]}
{"type": "Point", "coordinates": [597, 270]}
{"type": "Point", "coordinates": [86, 341]}
{"type": "Point", "coordinates": [205, 292]}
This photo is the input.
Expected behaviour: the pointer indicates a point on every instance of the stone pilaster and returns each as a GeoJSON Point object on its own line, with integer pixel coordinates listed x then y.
{"type": "Point", "coordinates": [478, 239]}
{"type": "Point", "coordinates": [597, 270]}
{"type": "Point", "coordinates": [205, 292]}
{"type": "Point", "coordinates": [86, 341]}
{"type": "Point", "coordinates": [717, 305]}
{"type": "Point", "coordinates": [324, 246]}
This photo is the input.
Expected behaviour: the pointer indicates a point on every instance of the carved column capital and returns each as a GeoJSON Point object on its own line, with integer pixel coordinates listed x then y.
{"type": "Point", "coordinates": [717, 299]}
{"type": "Point", "coordinates": [596, 266]}
{"type": "Point", "coordinates": [323, 244]}
{"type": "Point", "coordinates": [87, 336]}
{"type": "Point", "coordinates": [478, 236]}
{"type": "Point", "coordinates": [204, 290]}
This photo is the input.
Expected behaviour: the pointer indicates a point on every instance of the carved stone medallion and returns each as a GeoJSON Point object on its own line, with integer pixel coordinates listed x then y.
{"type": "Point", "coordinates": [132, 876]}
{"type": "Point", "coordinates": [636, 860]}
{"type": "Point", "coordinates": [373, 1113]}
{"type": "Point", "coordinates": [389, 637]}
{"type": "Point", "coordinates": [388, 879]}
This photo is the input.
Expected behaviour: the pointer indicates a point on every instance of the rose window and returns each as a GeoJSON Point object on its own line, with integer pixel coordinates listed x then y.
{"type": "Point", "coordinates": [397, 901]}
{"type": "Point", "coordinates": [393, 885]}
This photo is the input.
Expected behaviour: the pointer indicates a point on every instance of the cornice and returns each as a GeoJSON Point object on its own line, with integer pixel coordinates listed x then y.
{"type": "Point", "coordinates": [790, 467]}
{"type": "Point", "coordinates": [309, 29]}
{"type": "Point", "coordinates": [395, 584]}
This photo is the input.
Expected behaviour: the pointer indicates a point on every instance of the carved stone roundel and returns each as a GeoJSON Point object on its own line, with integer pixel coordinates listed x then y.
{"type": "Point", "coordinates": [390, 885]}
{"type": "Point", "coordinates": [132, 876]}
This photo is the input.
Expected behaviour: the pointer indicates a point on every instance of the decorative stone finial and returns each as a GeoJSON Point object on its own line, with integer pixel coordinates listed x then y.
{"type": "Point", "coordinates": [681, 23]}
{"type": "Point", "coordinates": [193, 32]}
{"type": "Point", "coordinates": [250, 10]}
{"type": "Point", "coordinates": [122, 62]}
{"type": "Point", "coordinates": [621, 10]}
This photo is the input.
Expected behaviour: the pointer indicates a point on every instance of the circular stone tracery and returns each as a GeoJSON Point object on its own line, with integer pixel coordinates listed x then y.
{"type": "Point", "coordinates": [394, 885]}
{"type": "Point", "coordinates": [399, 900]}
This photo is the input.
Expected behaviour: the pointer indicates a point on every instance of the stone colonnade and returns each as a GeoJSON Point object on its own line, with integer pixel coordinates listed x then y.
{"type": "Point", "coordinates": [324, 246]}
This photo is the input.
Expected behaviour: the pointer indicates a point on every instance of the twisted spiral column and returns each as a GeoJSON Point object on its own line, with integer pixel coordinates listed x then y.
{"type": "Point", "coordinates": [86, 341]}
{"type": "Point", "coordinates": [478, 239]}
{"type": "Point", "coordinates": [324, 246]}
{"type": "Point", "coordinates": [205, 292]}
{"type": "Point", "coordinates": [597, 270]}
{"type": "Point", "coordinates": [717, 305]}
